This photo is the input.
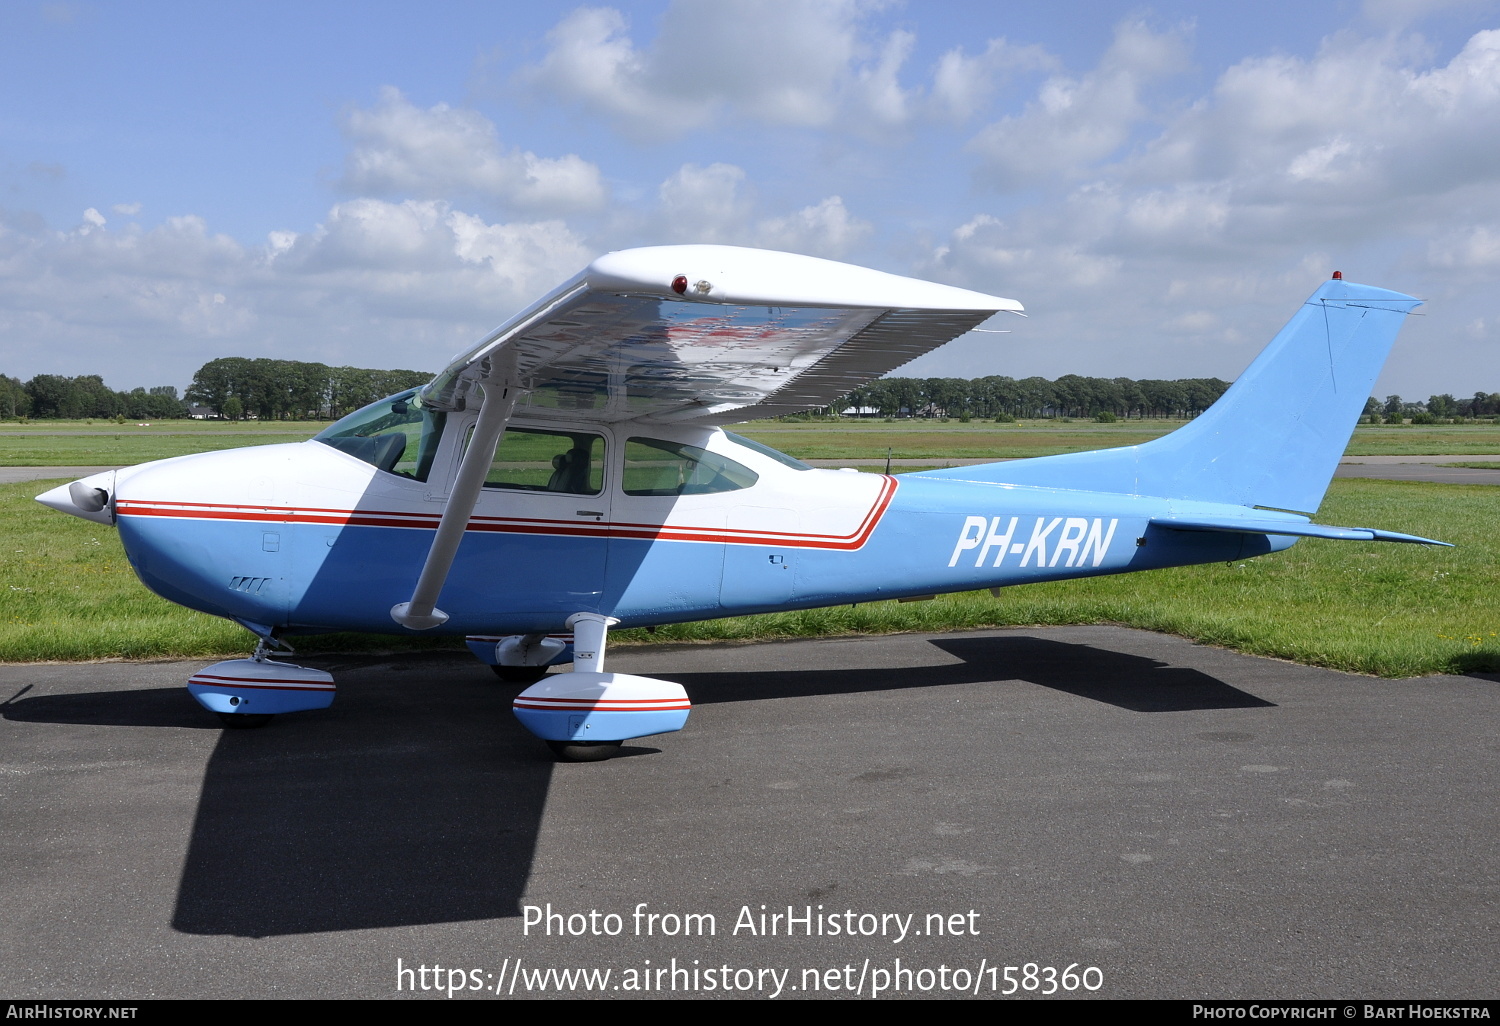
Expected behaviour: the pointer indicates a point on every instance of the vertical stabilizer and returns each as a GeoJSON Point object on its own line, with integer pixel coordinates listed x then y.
{"type": "Point", "coordinates": [1274, 438]}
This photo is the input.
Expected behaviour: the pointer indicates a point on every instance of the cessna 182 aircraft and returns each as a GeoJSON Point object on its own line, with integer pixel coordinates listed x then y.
{"type": "Point", "coordinates": [569, 473]}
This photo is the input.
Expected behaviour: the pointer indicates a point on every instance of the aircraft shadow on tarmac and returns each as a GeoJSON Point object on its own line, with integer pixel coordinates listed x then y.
{"type": "Point", "coordinates": [156, 707]}
{"type": "Point", "coordinates": [1130, 682]}
{"type": "Point", "coordinates": [417, 798]}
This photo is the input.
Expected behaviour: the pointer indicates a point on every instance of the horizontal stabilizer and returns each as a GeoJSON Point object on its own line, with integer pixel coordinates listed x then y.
{"type": "Point", "coordinates": [1299, 528]}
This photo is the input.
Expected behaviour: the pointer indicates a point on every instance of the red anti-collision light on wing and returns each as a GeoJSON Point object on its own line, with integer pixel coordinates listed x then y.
{"type": "Point", "coordinates": [1337, 276]}
{"type": "Point", "coordinates": [679, 284]}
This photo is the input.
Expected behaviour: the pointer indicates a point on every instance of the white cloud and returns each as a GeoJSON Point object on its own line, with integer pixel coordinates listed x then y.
{"type": "Point", "coordinates": [714, 204]}
{"type": "Point", "coordinates": [1075, 123]}
{"type": "Point", "coordinates": [1467, 249]}
{"type": "Point", "coordinates": [126, 209]}
{"type": "Point", "coordinates": [377, 284]}
{"type": "Point", "coordinates": [1359, 145]}
{"type": "Point", "coordinates": [1358, 125]}
{"type": "Point", "coordinates": [962, 85]}
{"type": "Point", "coordinates": [443, 152]}
{"type": "Point", "coordinates": [826, 229]}
{"type": "Point", "coordinates": [704, 204]}
{"type": "Point", "coordinates": [1184, 253]}
{"type": "Point", "coordinates": [531, 259]}
{"type": "Point", "coordinates": [879, 83]}
{"type": "Point", "coordinates": [781, 62]}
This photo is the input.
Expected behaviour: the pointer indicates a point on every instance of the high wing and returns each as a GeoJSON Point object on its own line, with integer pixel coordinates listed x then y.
{"type": "Point", "coordinates": [712, 334]}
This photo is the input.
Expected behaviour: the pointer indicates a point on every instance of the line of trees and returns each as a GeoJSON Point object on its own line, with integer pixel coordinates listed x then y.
{"type": "Point", "coordinates": [1071, 395]}
{"type": "Point", "coordinates": [236, 387]}
{"type": "Point", "coordinates": [54, 396]}
{"type": "Point", "coordinates": [1436, 409]}
{"type": "Point", "coordinates": [233, 388]}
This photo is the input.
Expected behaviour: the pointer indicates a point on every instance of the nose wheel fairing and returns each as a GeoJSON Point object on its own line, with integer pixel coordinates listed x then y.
{"type": "Point", "coordinates": [261, 687]}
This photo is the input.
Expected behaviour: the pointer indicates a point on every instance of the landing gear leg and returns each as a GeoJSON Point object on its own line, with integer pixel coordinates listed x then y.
{"type": "Point", "coordinates": [524, 659]}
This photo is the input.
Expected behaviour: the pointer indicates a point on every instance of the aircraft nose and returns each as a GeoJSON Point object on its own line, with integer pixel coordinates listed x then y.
{"type": "Point", "coordinates": [91, 498]}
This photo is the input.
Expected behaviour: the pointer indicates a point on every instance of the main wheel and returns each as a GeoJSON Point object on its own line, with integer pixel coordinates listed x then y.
{"type": "Point", "coordinates": [583, 751]}
{"type": "Point", "coordinates": [520, 674]}
{"type": "Point", "coordinates": [244, 721]}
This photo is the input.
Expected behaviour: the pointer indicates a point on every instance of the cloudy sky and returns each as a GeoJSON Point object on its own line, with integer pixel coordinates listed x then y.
{"type": "Point", "coordinates": [378, 183]}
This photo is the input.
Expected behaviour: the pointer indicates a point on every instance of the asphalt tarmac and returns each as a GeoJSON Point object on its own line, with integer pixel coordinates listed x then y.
{"type": "Point", "coordinates": [1168, 819]}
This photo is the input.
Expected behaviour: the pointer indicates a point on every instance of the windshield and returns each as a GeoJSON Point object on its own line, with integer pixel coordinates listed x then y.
{"type": "Point", "coordinates": [397, 435]}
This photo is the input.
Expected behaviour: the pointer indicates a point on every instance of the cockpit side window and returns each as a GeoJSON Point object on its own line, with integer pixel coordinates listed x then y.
{"type": "Point", "coordinates": [397, 435]}
{"type": "Point", "coordinates": [657, 467]}
{"type": "Point", "coordinates": [547, 461]}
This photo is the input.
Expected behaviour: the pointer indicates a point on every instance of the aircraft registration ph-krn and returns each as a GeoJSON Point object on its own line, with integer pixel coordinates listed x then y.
{"type": "Point", "coordinates": [569, 474]}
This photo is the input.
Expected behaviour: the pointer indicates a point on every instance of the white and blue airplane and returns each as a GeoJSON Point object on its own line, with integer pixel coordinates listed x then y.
{"type": "Point", "coordinates": [568, 474]}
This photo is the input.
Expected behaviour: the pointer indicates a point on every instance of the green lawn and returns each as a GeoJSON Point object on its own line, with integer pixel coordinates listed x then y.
{"type": "Point", "coordinates": [919, 439]}
{"type": "Point", "coordinates": [1394, 610]}
{"type": "Point", "coordinates": [77, 443]}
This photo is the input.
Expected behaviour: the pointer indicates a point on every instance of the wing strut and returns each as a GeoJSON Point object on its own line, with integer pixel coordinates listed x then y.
{"type": "Point", "coordinates": [500, 394]}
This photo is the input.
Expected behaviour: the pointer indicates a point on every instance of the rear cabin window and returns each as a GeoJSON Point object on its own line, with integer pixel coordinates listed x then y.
{"type": "Point", "coordinates": [547, 461]}
{"type": "Point", "coordinates": [766, 450]}
{"type": "Point", "coordinates": [397, 435]}
{"type": "Point", "coordinates": [657, 467]}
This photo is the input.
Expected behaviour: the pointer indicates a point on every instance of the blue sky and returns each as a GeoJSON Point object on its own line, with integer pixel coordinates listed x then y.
{"type": "Point", "coordinates": [377, 184]}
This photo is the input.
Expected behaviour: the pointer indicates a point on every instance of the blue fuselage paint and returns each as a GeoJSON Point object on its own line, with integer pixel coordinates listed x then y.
{"type": "Point", "coordinates": [934, 536]}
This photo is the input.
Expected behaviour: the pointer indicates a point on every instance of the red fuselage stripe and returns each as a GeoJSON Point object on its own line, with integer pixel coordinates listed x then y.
{"type": "Point", "coordinates": [602, 701]}
{"type": "Point", "coordinates": [604, 707]}
{"type": "Point", "coordinates": [502, 525]}
{"type": "Point", "coordinates": [242, 685]}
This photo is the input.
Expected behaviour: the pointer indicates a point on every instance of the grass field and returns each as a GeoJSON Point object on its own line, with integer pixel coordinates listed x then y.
{"type": "Point", "coordinates": [1394, 610]}
{"type": "Point", "coordinates": [77, 443]}
{"type": "Point", "coordinates": [954, 440]}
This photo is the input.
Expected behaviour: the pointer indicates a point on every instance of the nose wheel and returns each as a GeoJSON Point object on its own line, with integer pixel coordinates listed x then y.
{"type": "Point", "coordinates": [584, 751]}
{"type": "Point", "coordinates": [520, 674]}
{"type": "Point", "coordinates": [246, 693]}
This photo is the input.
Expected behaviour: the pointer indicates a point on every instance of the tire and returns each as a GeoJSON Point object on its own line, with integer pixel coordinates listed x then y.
{"type": "Point", "coordinates": [244, 721]}
{"type": "Point", "coordinates": [583, 751]}
{"type": "Point", "coordinates": [520, 674]}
